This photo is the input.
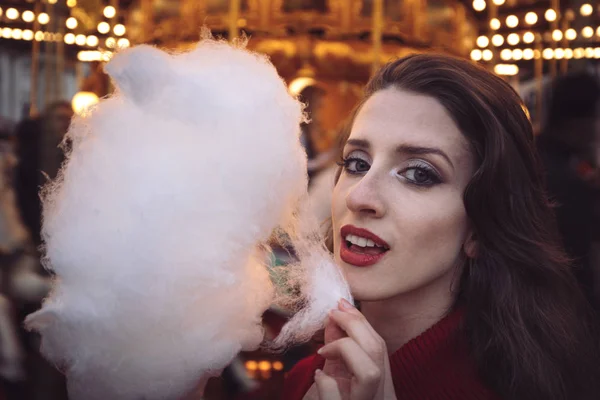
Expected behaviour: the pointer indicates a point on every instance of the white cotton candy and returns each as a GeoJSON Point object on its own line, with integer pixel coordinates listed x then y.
{"type": "Point", "coordinates": [155, 224]}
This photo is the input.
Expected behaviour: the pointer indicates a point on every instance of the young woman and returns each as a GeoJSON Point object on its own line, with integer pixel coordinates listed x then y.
{"type": "Point", "coordinates": [443, 229]}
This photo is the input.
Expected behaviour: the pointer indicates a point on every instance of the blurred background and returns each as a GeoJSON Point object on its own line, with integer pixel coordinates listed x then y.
{"type": "Point", "coordinates": [52, 54]}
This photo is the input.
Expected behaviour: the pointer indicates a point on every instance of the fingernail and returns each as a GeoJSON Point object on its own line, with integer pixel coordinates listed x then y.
{"type": "Point", "coordinates": [318, 372]}
{"type": "Point", "coordinates": [346, 304]}
{"type": "Point", "coordinates": [319, 351]}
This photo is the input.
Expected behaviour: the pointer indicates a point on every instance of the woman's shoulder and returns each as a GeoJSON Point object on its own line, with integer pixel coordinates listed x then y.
{"type": "Point", "coordinates": [301, 377]}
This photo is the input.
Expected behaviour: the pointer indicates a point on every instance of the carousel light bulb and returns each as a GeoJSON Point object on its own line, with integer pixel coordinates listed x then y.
{"type": "Point", "coordinates": [548, 54]}
{"type": "Point", "coordinates": [495, 24]}
{"type": "Point", "coordinates": [119, 29]}
{"type": "Point", "coordinates": [28, 16]}
{"type": "Point", "coordinates": [39, 36]}
{"type": "Point", "coordinates": [559, 54]}
{"type": "Point", "coordinates": [531, 18]}
{"type": "Point", "coordinates": [527, 54]}
{"type": "Point", "coordinates": [476, 55]}
{"type": "Point", "coordinates": [123, 43]}
{"type": "Point", "coordinates": [587, 32]}
{"type": "Point", "coordinates": [12, 13]}
{"type": "Point", "coordinates": [513, 39]}
{"type": "Point", "coordinates": [497, 40]}
{"type": "Point", "coordinates": [80, 40]}
{"type": "Point", "coordinates": [111, 43]}
{"type": "Point", "coordinates": [528, 37]}
{"type": "Point", "coordinates": [103, 27]}
{"type": "Point", "coordinates": [479, 5]}
{"type": "Point", "coordinates": [586, 10]}
{"type": "Point", "coordinates": [28, 34]}
{"type": "Point", "coordinates": [6, 33]}
{"type": "Point", "coordinates": [517, 54]}
{"type": "Point", "coordinates": [499, 2]}
{"type": "Point", "coordinates": [568, 54]}
{"type": "Point", "coordinates": [578, 53]}
{"type": "Point", "coordinates": [92, 41]}
{"type": "Point", "coordinates": [557, 35]}
{"type": "Point", "coordinates": [571, 34]}
{"type": "Point", "coordinates": [69, 38]}
{"type": "Point", "coordinates": [483, 41]}
{"type": "Point", "coordinates": [506, 54]}
{"type": "Point", "coordinates": [487, 55]}
{"type": "Point", "coordinates": [71, 23]}
{"type": "Point", "coordinates": [43, 18]}
{"type": "Point", "coordinates": [71, 3]}
{"type": "Point", "coordinates": [17, 34]}
{"type": "Point", "coordinates": [109, 11]}
{"type": "Point", "coordinates": [550, 15]}
{"type": "Point", "coordinates": [589, 52]}
{"type": "Point", "coordinates": [512, 21]}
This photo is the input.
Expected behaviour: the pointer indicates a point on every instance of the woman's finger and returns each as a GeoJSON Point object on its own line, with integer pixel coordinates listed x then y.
{"type": "Point", "coordinates": [358, 328]}
{"type": "Point", "coordinates": [367, 374]}
{"type": "Point", "coordinates": [327, 386]}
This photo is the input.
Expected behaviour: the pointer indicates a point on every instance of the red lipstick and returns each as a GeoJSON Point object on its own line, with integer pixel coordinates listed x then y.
{"type": "Point", "coordinates": [361, 256]}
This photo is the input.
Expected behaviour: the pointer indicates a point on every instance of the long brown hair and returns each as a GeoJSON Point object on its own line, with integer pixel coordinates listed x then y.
{"type": "Point", "coordinates": [530, 329]}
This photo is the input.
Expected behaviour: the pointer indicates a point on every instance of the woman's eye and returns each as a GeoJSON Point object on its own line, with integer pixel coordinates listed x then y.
{"type": "Point", "coordinates": [421, 176]}
{"type": "Point", "coordinates": [356, 165]}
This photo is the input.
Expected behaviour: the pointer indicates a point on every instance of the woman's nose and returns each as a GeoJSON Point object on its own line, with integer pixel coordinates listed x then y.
{"type": "Point", "coordinates": [365, 198]}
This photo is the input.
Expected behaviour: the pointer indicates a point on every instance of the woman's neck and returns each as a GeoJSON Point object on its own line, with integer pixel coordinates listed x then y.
{"type": "Point", "coordinates": [406, 316]}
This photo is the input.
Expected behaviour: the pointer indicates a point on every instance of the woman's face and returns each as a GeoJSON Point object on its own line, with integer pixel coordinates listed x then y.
{"type": "Point", "coordinates": [399, 222]}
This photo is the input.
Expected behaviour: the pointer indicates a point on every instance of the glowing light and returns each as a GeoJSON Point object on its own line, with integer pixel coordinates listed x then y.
{"type": "Point", "coordinates": [586, 10]}
{"type": "Point", "coordinates": [487, 55]}
{"type": "Point", "coordinates": [512, 21]}
{"type": "Point", "coordinates": [513, 39]}
{"type": "Point", "coordinates": [548, 54]}
{"type": "Point", "coordinates": [559, 54]}
{"type": "Point", "coordinates": [39, 36]}
{"type": "Point", "coordinates": [531, 18]}
{"type": "Point", "coordinates": [598, 32]}
{"type": "Point", "coordinates": [80, 40]}
{"type": "Point", "coordinates": [71, 3]}
{"type": "Point", "coordinates": [506, 54]}
{"type": "Point", "coordinates": [479, 5]}
{"type": "Point", "coordinates": [12, 13]}
{"type": "Point", "coordinates": [527, 54]}
{"type": "Point", "coordinates": [517, 54]}
{"type": "Point", "coordinates": [557, 35]}
{"type": "Point", "coordinates": [264, 365]}
{"type": "Point", "coordinates": [568, 54]}
{"type": "Point", "coordinates": [506, 69]}
{"type": "Point", "coordinates": [52, 1]}
{"type": "Point", "coordinates": [528, 37]}
{"type": "Point", "coordinates": [497, 40]}
{"type": "Point", "coordinates": [109, 11]}
{"type": "Point", "coordinates": [537, 54]}
{"type": "Point", "coordinates": [47, 36]}
{"type": "Point", "coordinates": [6, 33]}
{"type": "Point", "coordinates": [27, 34]}
{"type": "Point", "coordinates": [111, 43]}
{"type": "Point", "coordinates": [92, 41]}
{"type": "Point", "coordinates": [17, 34]}
{"type": "Point", "coordinates": [103, 27]}
{"type": "Point", "coordinates": [550, 15]}
{"type": "Point", "coordinates": [578, 53]}
{"type": "Point", "coordinates": [123, 43]}
{"type": "Point", "coordinates": [277, 365]}
{"type": "Point", "coordinates": [82, 101]}
{"type": "Point", "coordinates": [119, 29]}
{"type": "Point", "coordinates": [499, 2]}
{"type": "Point", "coordinates": [28, 16]}
{"type": "Point", "coordinates": [483, 41]}
{"type": "Point", "coordinates": [597, 52]}
{"type": "Point", "coordinates": [251, 365]}
{"type": "Point", "coordinates": [43, 18]}
{"type": "Point", "coordinates": [299, 84]}
{"type": "Point", "coordinates": [571, 34]}
{"type": "Point", "coordinates": [587, 32]}
{"type": "Point", "coordinates": [69, 38]}
{"type": "Point", "coordinates": [589, 52]}
{"type": "Point", "coordinates": [71, 23]}
{"type": "Point", "coordinates": [495, 24]}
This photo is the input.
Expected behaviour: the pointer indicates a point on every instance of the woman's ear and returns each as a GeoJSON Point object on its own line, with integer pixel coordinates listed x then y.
{"type": "Point", "coordinates": [471, 245]}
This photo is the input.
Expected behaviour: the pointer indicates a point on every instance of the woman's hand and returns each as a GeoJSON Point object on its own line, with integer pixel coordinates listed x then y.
{"type": "Point", "coordinates": [357, 364]}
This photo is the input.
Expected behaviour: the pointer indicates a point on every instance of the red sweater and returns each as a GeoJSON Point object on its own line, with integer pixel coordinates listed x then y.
{"type": "Point", "coordinates": [433, 366]}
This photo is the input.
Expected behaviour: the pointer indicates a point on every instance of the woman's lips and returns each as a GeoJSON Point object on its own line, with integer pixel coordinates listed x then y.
{"type": "Point", "coordinates": [361, 256]}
